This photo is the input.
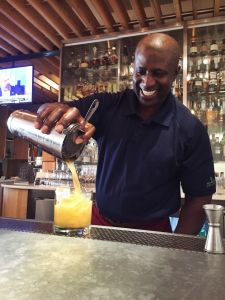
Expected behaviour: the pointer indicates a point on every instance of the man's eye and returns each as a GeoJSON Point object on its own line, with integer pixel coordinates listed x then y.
{"type": "Point", "coordinates": [159, 73]}
{"type": "Point", "coordinates": [141, 71]}
{"type": "Point", "coordinates": [154, 73]}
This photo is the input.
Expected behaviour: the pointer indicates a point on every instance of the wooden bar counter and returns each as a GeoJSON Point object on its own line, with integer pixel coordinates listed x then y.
{"type": "Point", "coordinates": [17, 200]}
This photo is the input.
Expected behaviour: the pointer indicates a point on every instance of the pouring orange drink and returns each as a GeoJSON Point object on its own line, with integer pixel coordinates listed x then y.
{"type": "Point", "coordinates": [72, 209]}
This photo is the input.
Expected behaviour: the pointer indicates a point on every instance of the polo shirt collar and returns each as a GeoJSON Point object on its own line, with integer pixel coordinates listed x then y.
{"type": "Point", "coordinates": [163, 116]}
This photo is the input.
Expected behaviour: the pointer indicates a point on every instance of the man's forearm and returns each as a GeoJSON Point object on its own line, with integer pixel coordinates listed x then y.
{"type": "Point", "coordinates": [192, 215]}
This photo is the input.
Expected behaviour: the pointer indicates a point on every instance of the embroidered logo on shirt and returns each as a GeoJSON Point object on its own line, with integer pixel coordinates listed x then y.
{"type": "Point", "coordinates": [211, 182]}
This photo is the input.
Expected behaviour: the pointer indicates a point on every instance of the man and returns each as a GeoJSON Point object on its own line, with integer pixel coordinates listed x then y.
{"type": "Point", "coordinates": [149, 144]}
{"type": "Point", "coordinates": [5, 88]}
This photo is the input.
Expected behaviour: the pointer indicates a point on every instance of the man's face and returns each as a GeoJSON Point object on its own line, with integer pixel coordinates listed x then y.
{"type": "Point", "coordinates": [153, 76]}
{"type": "Point", "coordinates": [6, 85]}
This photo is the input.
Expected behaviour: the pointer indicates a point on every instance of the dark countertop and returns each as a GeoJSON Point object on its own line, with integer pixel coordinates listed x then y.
{"type": "Point", "coordinates": [42, 266]}
{"type": "Point", "coordinates": [111, 263]}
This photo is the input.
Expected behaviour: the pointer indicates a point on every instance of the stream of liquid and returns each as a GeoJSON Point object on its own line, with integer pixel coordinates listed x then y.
{"type": "Point", "coordinates": [76, 182]}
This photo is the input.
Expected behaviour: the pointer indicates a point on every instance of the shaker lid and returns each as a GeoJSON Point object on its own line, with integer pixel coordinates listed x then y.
{"type": "Point", "coordinates": [71, 150]}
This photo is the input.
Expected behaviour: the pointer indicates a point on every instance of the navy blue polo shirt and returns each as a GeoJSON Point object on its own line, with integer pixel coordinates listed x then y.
{"type": "Point", "coordinates": [142, 163]}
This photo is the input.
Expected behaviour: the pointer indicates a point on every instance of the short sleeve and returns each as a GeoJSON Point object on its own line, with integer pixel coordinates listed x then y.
{"type": "Point", "coordinates": [197, 168]}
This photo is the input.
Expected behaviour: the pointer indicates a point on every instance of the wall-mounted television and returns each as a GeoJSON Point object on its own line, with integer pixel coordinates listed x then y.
{"type": "Point", "coordinates": [16, 85]}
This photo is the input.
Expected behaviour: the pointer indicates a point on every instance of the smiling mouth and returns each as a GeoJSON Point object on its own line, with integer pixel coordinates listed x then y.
{"type": "Point", "coordinates": [148, 93]}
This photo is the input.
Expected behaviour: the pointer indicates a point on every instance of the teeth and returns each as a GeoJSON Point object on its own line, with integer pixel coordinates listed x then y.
{"type": "Point", "coordinates": [148, 93]}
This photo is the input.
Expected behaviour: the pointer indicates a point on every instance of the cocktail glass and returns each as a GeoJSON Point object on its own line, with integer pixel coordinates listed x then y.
{"type": "Point", "coordinates": [72, 212]}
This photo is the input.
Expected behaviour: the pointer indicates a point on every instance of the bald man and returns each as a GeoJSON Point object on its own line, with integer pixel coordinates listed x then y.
{"type": "Point", "coordinates": [149, 145]}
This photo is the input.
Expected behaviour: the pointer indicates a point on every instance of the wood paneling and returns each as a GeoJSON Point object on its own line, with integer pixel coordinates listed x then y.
{"type": "Point", "coordinates": [157, 11]}
{"type": "Point", "coordinates": [82, 10]}
{"type": "Point", "coordinates": [15, 203]}
{"type": "Point", "coordinates": [20, 149]}
{"type": "Point", "coordinates": [177, 8]}
{"type": "Point", "coordinates": [139, 11]}
{"type": "Point", "coordinates": [121, 12]}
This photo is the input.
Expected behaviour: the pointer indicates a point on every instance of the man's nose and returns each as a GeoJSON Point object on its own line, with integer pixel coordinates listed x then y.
{"type": "Point", "coordinates": [148, 79]}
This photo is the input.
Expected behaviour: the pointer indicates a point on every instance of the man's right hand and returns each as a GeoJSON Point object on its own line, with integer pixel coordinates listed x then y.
{"type": "Point", "coordinates": [60, 116]}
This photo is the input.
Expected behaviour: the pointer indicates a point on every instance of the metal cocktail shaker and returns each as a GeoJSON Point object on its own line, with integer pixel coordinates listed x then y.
{"type": "Point", "coordinates": [21, 123]}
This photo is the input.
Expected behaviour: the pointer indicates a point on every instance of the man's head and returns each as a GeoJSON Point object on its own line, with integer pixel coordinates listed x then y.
{"type": "Point", "coordinates": [156, 67]}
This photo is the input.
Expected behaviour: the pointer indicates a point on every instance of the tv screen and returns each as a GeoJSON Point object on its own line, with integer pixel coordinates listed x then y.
{"type": "Point", "coordinates": [16, 85]}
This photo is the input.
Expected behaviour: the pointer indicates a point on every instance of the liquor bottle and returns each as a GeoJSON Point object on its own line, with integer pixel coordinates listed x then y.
{"type": "Point", "coordinates": [199, 79]}
{"type": "Point", "coordinates": [131, 66]}
{"type": "Point", "coordinates": [203, 107]}
{"type": "Point", "coordinates": [211, 113]}
{"type": "Point", "coordinates": [193, 48]}
{"type": "Point", "coordinates": [222, 142]}
{"type": "Point", "coordinates": [222, 75]}
{"type": "Point", "coordinates": [223, 102]}
{"type": "Point", "coordinates": [222, 178]}
{"type": "Point", "coordinates": [219, 182]}
{"type": "Point", "coordinates": [217, 155]}
{"type": "Point", "coordinates": [193, 74]}
{"type": "Point", "coordinates": [114, 57]}
{"type": "Point", "coordinates": [125, 62]}
{"type": "Point", "coordinates": [202, 66]}
{"type": "Point", "coordinates": [199, 62]}
{"type": "Point", "coordinates": [106, 58]}
{"type": "Point", "coordinates": [72, 60]}
{"type": "Point", "coordinates": [214, 49]}
{"type": "Point", "coordinates": [189, 68]}
{"type": "Point", "coordinates": [95, 62]}
{"type": "Point", "coordinates": [204, 53]}
{"type": "Point", "coordinates": [101, 57]}
{"type": "Point", "coordinates": [198, 111]}
{"type": "Point", "coordinates": [212, 77]}
{"type": "Point", "coordinates": [205, 83]}
{"type": "Point", "coordinates": [212, 140]}
{"type": "Point", "coordinates": [222, 48]}
{"type": "Point", "coordinates": [205, 71]}
{"type": "Point", "coordinates": [193, 107]}
{"type": "Point", "coordinates": [109, 50]}
{"type": "Point", "coordinates": [190, 82]}
{"type": "Point", "coordinates": [222, 97]}
{"type": "Point", "coordinates": [85, 60]}
{"type": "Point", "coordinates": [78, 61]}
{"type": "Point", "coordinates": [203, 48]}
{"type": "Point", "coordinates": [125, 55]}
{"type": "Point", "coordinates": [177, 88]}
{"type": "Point", "coordinates": [221, 118]}
{"type": "Point", "coordinates": [203, 101]}
{"type": "Point", "coordinates": [216, 108]}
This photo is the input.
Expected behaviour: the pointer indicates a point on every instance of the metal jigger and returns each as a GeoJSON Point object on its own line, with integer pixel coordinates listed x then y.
{"type": "Point", "coordinates": [214, 241]}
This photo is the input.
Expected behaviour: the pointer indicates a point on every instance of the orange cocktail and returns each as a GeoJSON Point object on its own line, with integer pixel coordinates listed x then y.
{"type": "Point", "coordinates": [72, 212]}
